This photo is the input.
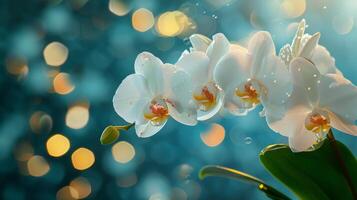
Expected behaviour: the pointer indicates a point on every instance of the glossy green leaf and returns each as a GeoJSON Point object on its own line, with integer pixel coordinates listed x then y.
{"type": "Point", "coordinates": [312, 175]}
{"type": "Point", "coordinates": [235, 174]}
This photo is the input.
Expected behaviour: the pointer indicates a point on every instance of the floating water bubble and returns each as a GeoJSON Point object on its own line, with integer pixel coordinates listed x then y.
{"type": "Point", "coordinates": [248, 140]}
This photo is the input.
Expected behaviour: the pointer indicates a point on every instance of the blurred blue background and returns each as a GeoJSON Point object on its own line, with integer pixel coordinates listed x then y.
{"type": "Point", "coordinates": [62, 60]}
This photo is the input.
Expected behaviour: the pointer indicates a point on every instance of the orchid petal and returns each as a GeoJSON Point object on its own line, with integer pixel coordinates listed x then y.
{"type": "Point", "coordinates": [196, 65]}
{"type": "Point", "coordinates": [147, 129]}
{"type": "Point", "coordinates": [150, 67]}
{"type": "Point", "coordinates": [131, 97]}
{"type": "Point", "coordinates": [260, 47]}
{"type": "Point", "coordinates": [276, 86]}
{"type": "Point", "coordinates": [324, 62]}
{"type": "Point", "coordinates": [205, 115]}
{"type": "Point", "coordinates": [295, 46]}
{"type": "Point", "coordinates": [310, 45]}
{"type": "Point", "coordinates": [218, 48]}
{"type": "Point", "coordinates": [305, 78]}
{"type": "Point", "coordinates": [339, 96]}
{"type": "Point", "coordinates": [302, 140]}
{"type": "Point", "coordinates": [180, 103]}
{"type": "Point", "coordinates": [232, 69]}
{"type": "Point", "coordinates": [200, 42]}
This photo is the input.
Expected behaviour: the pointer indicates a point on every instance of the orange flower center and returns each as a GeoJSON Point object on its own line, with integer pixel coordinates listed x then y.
{"type": "Point", "coordinates": [157, 112]}
{"type": "Point", "coordinates": [318, 122]}
{"type": "Point", "coordinates": [248, 94]}
{"type": "Point", "coordinates": [206, 97]}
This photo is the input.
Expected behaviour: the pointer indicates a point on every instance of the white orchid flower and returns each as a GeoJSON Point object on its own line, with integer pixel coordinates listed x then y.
{"type": "Point", "coordinates": [305, 45]}
{"type": "Point", "coordinates": [252, 76]}
{"type": "Point", "coordinates": [200, 64]}
{"type": "Point", "coordinates": [317, 103]}
{"type": "Point", "coordinates": [155, 92]}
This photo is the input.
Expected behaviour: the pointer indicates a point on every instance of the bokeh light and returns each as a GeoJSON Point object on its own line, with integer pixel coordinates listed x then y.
{"type": "Point", "coordinates": [293, 8]}
{"type": "Point", "coordinates": [173, 23]}
{"type": "Point", "coordinates": [55, 54]}
{"type": "Point", "coordinates": [118, 7]}
{"type": "Point", "coordinates": [37, 166]}
{"type": "Point", "coordinates": [343, 24]}
{"type": "Point", "coordinates": [40, 122]}
{"type": "Point", "coordinates": [82, 158]}
{"type": "Point", "coordinates": [82, 186]}
{"type": "Point", "coordinates": [57, 145]}
{"type": "Point", "coordinates": [214, 136]}
{"type": "Point", "coordinates": [67, 193]}
{"type": "Point", "coordinates": [142, 20]}
{"type": "Point", "coordinates": [24, 151]}
{"type": "Point", "coordinates": [123, 152]}
{"type": "Point", "coordinates": [77, 116]}
{"type": "Point", "coordinates": [62, 84]}
{"type": "Point", "coordinates": [17, 66]}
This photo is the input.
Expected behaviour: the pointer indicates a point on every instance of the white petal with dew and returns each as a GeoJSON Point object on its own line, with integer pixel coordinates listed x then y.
{"type": "Point", "coordinates": [324, 62]}
{"type": "Point", "coordinates": [131, 97]}
{"type": "Point", "coordinates": [147, 129]}
{"type": "Point", "coordinates": [150, 67]}
{"type": "Point", "coordinates": [216, 50]}
{"type": "Point", "coordinates": [181, 106]}
{"type": "Point", "coordinates": [310, 46]}
{"type": "Point", "coordinates": [305, 77]}
{"type": "Point", "coordinates": [196, 65]}
{"type": "Point", "coordinates": [199, 42]}
{"type": "Point", "coordinates": [205, 115]}
{"type": "Point", "coordinates": [295, 46]}
{"type": "Point", "coordinates": [232, 69]}
{"type": "Point", "coordinates": [339, 96]}
{"type": "Point", "coordinates": [302, 140]}
{"type": "Point", "coordinates": [260, 47]}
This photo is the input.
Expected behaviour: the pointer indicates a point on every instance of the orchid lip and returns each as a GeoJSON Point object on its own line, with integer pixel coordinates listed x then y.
{"type": "Point", "coordinates": [250, 92]}
{"type": "Point", "coordinates": [318, 122]}
{"type": "Point", "coordinates": [206, 96]}
{"type": "Point", "coordinates": [157, 112]}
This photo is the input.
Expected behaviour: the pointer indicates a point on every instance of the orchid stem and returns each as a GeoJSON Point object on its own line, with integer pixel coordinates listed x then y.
{"type": "Point", "coordinates": [342, 164]}
{"type": "Point", "coordinates": [125, 127]}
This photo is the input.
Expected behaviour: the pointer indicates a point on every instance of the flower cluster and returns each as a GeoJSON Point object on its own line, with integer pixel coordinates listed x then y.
{"type": "Point", "coordinates": [302, 92]}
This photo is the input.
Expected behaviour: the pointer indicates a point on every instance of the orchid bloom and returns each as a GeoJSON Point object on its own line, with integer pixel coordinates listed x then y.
{"type": "Point", "coordinates": [252, 76]}
{"type": "Point", "coordinates": [306, 46]}
{"type": "Point", "coordinates": [317, 103]}
{"type": "Point", "coordinates": [200, 64]}
{"type": "Point", "coordinates": [155, 92]}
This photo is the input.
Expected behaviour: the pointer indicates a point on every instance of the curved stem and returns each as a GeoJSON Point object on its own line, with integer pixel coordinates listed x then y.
{"type": "Point", "coordinates": [125, 127]}
{"type": "Point", "coordinates": [341, 162]}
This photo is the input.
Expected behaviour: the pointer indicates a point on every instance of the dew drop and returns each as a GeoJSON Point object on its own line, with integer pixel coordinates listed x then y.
{"type": "Point", "coordinates": [197, 4]}
{"type": "Point", "coordinates": [204, 12]}
{"type": "Point", "coordinates": [248, 140]}
{"type": "Point", "coordinates": [315, 75]}
{"type": "Point", "coordinates": [309, 88]}
{"type": "Point", "coordinates": [275, 81]}
{"type": "Point", "coordinates": [299, 69]}
{"type": "Point", "coordinates": [325, 7]}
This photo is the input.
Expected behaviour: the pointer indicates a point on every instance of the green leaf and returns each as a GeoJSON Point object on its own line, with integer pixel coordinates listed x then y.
{"type": "Point", "coordinates": [109, 135]}
{"type": "Point", "coordinates": [235, 174]}
{"type": "Point", "coordinates": [312, 175]}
